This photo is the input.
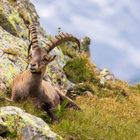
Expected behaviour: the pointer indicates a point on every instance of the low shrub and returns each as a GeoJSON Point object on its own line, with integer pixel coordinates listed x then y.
{"type": "Point", "coordinates": [78, 70]}
{"type": "Point", "coordinates": [68, 51]}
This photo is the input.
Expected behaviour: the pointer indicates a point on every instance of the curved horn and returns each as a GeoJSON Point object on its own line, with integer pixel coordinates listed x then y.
{"type": "Point", "coordinates": [34, 39]}
{"type": "Point", "coordinates": [62, 37]}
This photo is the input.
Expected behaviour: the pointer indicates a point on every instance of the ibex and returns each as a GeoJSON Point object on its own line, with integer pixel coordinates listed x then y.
{"type": "Point", "coordinates": [30, 83]}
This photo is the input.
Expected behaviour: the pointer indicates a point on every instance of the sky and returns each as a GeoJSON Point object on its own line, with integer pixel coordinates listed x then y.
{"type": "Point", "coordinates": [113, 26]}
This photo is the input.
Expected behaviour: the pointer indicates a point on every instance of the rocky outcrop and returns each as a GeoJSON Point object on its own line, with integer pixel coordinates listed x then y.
{"type": "Point", "coordinates": [15, 16]}
{"type": "Point", "coordinates": [14, 38]}
{"type": "Point", "coordinates": [15, 122]}
{"type": "Point", "coordinates": [85, 42]}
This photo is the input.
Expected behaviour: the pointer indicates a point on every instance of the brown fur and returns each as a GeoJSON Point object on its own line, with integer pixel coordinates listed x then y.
{"type": "Point", "coordinates": [30, 83]}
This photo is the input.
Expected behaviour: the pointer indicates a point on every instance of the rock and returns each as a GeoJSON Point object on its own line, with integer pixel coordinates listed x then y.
{"type": "Point", "coordinates": [15, 16]}
{"type": "Point", "coordinates": [27, 126]}
{"type": "Point", "coordinates": [2, 138]}
{"type": "Point", "coordinates": [85, 42]}
{"type": "Point", "coordinates": [14, 42]}
{"type": "Point", "coordinates": [3, 129]}
{"type": "Point", "coordinates": [88, 94]}
{"type": "Point", "coordinates": [105, 75]}
{"type": "Point", "coordinates": [55, 70]}
{"type": "Point", "coordinates": [13, 59]}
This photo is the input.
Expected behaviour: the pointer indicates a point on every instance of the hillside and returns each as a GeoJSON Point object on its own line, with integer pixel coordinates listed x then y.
{"type": "Point", "coordinates": [110, 107]}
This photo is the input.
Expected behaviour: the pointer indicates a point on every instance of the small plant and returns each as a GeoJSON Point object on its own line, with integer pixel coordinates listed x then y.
{"type": "Point", "coordinates": [78, 70]}
{"type": "Point", "coordinates": [60, 109]}
{"type": "Point", "coordinates": [138, 87]}
{"type": "Point", "coordinates": [69, 51]}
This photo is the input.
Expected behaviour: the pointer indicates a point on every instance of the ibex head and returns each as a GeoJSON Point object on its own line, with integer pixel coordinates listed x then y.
{"type": "Point", "coordinates": [39, 56]}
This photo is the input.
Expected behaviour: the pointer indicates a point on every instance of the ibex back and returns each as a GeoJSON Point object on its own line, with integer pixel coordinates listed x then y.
{"type": "Point", "coordinates": [30, 83]}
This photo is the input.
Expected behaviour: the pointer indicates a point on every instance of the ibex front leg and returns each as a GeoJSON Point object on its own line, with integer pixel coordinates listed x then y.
{"type": "Point", "coordinates": [50, 109]}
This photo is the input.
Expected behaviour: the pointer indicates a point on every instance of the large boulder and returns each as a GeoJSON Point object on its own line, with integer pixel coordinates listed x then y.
{"type": "Point", "coordinates": [19, 124]}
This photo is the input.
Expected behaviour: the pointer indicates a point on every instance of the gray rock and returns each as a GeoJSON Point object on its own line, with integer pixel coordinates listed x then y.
{"type": "Point", "coordinates": [27, 126]}
{"type": "Point", "coordinates": [14, 42]}
{"type": "Point", "coordinates": [3, 129]}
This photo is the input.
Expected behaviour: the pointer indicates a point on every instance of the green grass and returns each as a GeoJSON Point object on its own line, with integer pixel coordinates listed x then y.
{"type": "Point", "coordinates": [69, 51]}
{"type": "Point", "coordinates": [102, 119]}
{"type": "Point", "coordinates": [77, 70]}
{"type": "Point", "coordinates": [113, 113]}
{"type": "Point", "coordinates": [106, 118]}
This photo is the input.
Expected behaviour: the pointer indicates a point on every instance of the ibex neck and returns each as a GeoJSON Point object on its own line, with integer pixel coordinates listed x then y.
{"type": "Point", "coordinates": [35, 80]}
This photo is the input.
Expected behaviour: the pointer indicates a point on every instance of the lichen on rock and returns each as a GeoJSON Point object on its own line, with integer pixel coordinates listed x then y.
{"type": "Point", "coordinates": [15, 16]}
{"type": "Point", "coordinates": [20, 124]}
{"type": "Point", "coordinates": [14, 42]}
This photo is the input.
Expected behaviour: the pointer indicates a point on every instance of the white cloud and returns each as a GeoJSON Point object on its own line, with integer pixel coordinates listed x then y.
{"type": "Point", "coordinates": [107, 22]}
{"type": "Point", "coordinates": [106, 34]}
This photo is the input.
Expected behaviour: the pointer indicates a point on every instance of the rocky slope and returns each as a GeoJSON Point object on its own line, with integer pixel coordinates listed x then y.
{"type": "Point", "coordinates": [15, 16]}
{"type": "Point", "coordinates": [14, 42]}
{"type": "Point", "coordinates": [22, 125]}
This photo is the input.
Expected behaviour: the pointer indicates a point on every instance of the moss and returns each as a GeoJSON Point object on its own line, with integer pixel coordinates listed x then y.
{"type": "Point", "coordinates": [13, 23]}
{"type": "Point", "coordinates": [18, 24]}
{"type": "Point", "coordinates": [10, 121]}
{"type": "Point", "coordinates": [77, 70]}
{"type": "Point", "coordinates": [6, 24]}
{"type": "Point", "coordinates": [11, 51]}
{"type": "Point", "coordinates": [25, 16]}
{"type": "Point", "coordinates": [19, 122]}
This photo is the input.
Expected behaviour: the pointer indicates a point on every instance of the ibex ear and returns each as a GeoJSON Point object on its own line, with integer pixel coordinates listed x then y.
{"type": "Point", "coordinates": [51, 58]}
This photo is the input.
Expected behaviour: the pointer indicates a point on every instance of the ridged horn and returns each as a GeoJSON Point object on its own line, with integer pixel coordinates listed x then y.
{"type": "Point", "coordinates": [33, 34]}
{"type": "Point", "coordinates": [61, 38]}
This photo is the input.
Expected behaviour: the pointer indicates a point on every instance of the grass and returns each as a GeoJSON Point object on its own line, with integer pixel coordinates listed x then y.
{"type": "Point", "coordinates": [68, 51]}
{"type": "Point", "coordinates": [113, 113]}
{"type": "Point", "coordinates": [102, 119]}
{"type": "Point", "coordinates": [78, 70]}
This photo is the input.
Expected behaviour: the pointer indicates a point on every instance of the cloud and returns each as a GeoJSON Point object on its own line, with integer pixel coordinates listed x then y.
{"type": "Point", "coordinates": [113, 24]}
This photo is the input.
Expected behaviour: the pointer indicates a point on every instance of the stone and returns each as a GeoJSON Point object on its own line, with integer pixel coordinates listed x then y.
{"type": "Point", "coordinates": [105, 75]}
{"type": "Point", "coordinates": [25, 125]}
{"type": "Point", "coordinates": [85, 42]}
{"type": "Point", "coordinates": [3, 129]}
{"type": "Point", "coordinates": [88, 94]}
